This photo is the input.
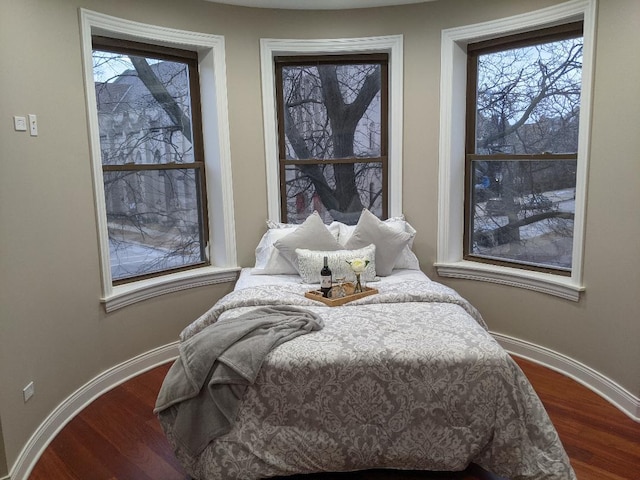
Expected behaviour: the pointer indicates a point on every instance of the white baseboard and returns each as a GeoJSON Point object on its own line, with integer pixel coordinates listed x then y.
{"type": "Point", "coordinates": [82, 397]}
{"type": "Point", "coordinates": [622, 399]}
{"type": "Point", "coordinates": [69, 408]}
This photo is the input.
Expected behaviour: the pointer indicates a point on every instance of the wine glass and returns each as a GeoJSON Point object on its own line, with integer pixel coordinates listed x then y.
{"type": "Point", "coordinates": [339, 288]}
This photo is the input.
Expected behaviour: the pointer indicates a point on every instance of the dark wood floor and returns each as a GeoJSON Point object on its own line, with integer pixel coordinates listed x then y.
{"type": "Point", "coordinates": [117, 437]}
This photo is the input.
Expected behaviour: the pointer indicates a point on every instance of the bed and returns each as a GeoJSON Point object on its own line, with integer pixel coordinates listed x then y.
{"type": "Point", "coordinates": [408, 378]}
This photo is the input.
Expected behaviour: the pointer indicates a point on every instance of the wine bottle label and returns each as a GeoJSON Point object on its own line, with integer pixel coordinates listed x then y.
{"type": "Point", "coordinates": [325, 282]}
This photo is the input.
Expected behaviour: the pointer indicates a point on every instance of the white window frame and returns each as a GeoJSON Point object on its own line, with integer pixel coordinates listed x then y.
{"type": "Point", "coordinates": [212, 68]}
{"type": "Point", "coordinates": [449, 258]}
{"type": "Point", "coordinates": [270, 48]}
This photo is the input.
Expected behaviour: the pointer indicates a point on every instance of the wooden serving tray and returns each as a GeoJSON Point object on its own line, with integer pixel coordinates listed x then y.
{"type": "Point", "coordinates": [350, 297]}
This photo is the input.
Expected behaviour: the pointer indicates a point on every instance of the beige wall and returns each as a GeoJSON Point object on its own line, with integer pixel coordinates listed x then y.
{"type": "Point", "coordinates": [53, 329]}
{"type": "Point", "coordinates": [3, 458]}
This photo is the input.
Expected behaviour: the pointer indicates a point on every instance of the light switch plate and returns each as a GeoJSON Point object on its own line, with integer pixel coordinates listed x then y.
{"type": "Point", "coordinates": [20, 124]}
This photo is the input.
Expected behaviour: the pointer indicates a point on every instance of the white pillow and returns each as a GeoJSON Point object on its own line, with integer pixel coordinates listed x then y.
{"type": "Point", "coordinates": [334, 227]}
{"type": "Point", "coordinates": [272, 224]}
{"type": "Point", "coordinates": [407, 258]}
{"type": "Point", "coordinates": [312, 234]}
{"type": "Point", "coordinates": [265, 249]}
{"type": "Point", "coordinates": [389, 241]}
{"type": "Point", "coordinates": [310, 262]}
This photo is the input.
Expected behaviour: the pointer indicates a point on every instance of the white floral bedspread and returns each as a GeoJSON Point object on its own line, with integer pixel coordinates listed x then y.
{"type": "Point", "coordinates": [408, 378]}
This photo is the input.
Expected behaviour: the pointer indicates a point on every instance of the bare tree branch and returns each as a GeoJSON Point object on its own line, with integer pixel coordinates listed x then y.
{"type": "Point", "coordinates": [338, 132]}
{"type": "Point", "coordinates": [159, 91]}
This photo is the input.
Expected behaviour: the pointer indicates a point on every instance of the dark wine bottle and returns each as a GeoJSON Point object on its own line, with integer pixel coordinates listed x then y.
{"type": "Point", "coordinates": [325, 279]}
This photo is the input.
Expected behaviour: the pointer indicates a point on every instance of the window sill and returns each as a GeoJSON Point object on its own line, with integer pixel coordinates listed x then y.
{"type": "Point", "coordinates": [565, 287]}
{"type": "Point", "coordinates": [130, 293]}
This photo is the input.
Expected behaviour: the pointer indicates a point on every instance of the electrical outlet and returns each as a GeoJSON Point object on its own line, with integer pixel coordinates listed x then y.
{"type": "Point", "coordinates": [33, 125]}
{"type": "Point", "coordinates": [28, 391]}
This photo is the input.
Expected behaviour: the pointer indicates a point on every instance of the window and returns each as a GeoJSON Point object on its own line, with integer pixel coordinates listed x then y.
{"type": "Point", "coordinates": [164, 214]}
{"type": "Point", "coordinates": [333, 165]}
{"type": "Point", "coordinates": [332, 136]}
{"type": "Point", "coordinates": [479, 209]}
{"type": "Point", "coordinates": [523, 119]}
{"type": "Point", "coordinates": [152, 157]}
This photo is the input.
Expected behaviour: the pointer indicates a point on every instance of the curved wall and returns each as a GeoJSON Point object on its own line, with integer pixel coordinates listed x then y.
{"type": "Point", "coordinates": [53, 330]}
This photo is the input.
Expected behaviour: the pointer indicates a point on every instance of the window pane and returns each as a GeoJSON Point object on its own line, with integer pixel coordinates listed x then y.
{"type": "Point", "coordinates": [528, 99]}
{"type": "Point", "coordinates": [136, 125]}
{"type": "Point", "coordinates": [331, 111]}
{"type": "Point", "coordinates": [323, 187]}
{"type": "Point", "coordinates": [523, 211]}
{"type": "Point", "coordinates": [154, 221]}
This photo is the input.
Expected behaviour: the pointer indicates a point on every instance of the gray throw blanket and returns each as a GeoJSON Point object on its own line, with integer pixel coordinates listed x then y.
{"type": "Point", "coordinates": [203, 388]}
